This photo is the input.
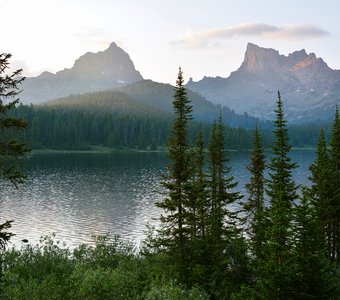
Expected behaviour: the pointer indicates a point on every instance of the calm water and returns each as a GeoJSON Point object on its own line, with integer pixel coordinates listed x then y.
{"type": "Point", "coordinates": [77, 196]}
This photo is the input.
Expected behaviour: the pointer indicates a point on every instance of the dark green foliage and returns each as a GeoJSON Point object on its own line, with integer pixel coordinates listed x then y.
{"type": "Point", "coordinates": [174, 233]}
{"type": "Point", "coordinates": [335, 201]}
{"type": "Point", "coordinates": [9, 148]}
{"type": "Point", "coordinates": [254, 207]}
{"type": "Point", "coordinates": [198, 194]}
{"type": "Point", "coordinates": [323, 192]}
{"type": "Point", "coordinates": [106, 119]}
{"type": "Point", "coordinates": [335, 140]}
{"type": "Point", "coordinates": [221, 183]}
{"type": "Point", "coordinates": [326, 189]}
{"type": "Point", "coordinates": [107, 270]}
{"type": "Point", "coordinates": [314, 278]}
{"type": "Point", "coordinates": [4, 234]}
{"type": "Point", "coordinates": [277, 272]}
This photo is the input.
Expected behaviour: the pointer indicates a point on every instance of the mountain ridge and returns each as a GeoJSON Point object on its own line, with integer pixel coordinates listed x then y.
{"type": "Point", "coordinates": [306, 82]}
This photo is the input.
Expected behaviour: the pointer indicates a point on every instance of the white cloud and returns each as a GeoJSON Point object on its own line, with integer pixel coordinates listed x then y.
{"type": "Point", "coordinates": [260, 30]}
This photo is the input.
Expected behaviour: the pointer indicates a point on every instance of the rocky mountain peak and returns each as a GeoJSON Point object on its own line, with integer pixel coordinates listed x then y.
{"type": "Point", "coordinates": [298, 70]}
{"type": "Point", "coordinates": [113, 63]}
{"type": "Point", "coordinates": [91, 72]}
{"type": "Point", "coordinates": [306, 61]}
{"type": "Point", "coordinates": [305, 80]}
{"type": "Point", "coordinates": [260, 60]}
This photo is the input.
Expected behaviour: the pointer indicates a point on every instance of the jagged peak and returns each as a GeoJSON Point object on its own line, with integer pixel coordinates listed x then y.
{"type": "Point", "coordinates": [113, 45]}
{"type": "Point", "coordinates": [298, 55]}
{"type": "Point", "coordinates": [257, 59]}
{"type": "Point", "coordinates": [257, 50]}
{"type": "Point", "coordinates": [46, 74]}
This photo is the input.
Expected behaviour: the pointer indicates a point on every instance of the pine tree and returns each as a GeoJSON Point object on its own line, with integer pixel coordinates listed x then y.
{"type": "Point", "coordinates": [277, 273]}
{"type": "Point", "coordinates": [314, 275]}
{"type": "Point", "coordinates": [9, 90]}
{"type": "Point", "coordinates": [222, 231]}
{"type": "Point", "coordinates": [198, 194]}
{"type": "Point", "coordinates": [322, 191]}
{"type": "Point", "coordinates": [174, 233]}
{"type": "Point", "coordinates": [198, 210]}
{"type": "Point", "coordinates": [335, 140]}
{"type": "Point", "coordinates": [335, 201]}
{"type": "Point", "coordinates": [9, 148]}
{"type": "Point", "coordinates": [255, 205]}
{"type": "Point", "coordinates": [221, 183]}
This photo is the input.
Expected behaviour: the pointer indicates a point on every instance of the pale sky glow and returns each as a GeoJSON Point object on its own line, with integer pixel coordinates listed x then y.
{"type": "Point", "coordinates": [204, 37]}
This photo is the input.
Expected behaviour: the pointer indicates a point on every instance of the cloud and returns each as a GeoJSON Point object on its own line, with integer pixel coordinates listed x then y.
{"type": "Point", "coordinates": [260, 30]}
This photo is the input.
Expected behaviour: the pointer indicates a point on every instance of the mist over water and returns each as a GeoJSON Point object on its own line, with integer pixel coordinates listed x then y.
{"type": "Point", "coordinates": [78, 195]}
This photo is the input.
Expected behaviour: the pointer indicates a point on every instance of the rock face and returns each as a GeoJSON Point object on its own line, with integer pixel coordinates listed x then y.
{"type": "Point", "coordinates": [309, 88]}
{"type": "Point", "coordinates": [90, 72]}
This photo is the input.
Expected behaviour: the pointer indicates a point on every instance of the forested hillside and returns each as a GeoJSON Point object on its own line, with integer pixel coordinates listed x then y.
{"type": "Point", "coordinates": [120, 122]}
{"type": "Point", "coordinates": [108, 118]}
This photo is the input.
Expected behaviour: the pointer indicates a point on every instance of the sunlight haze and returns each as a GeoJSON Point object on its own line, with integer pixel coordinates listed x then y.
{"type": "Point", "coordinates": [205, 38]}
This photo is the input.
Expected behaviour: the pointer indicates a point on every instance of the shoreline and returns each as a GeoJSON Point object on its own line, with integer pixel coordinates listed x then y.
{"type": "Point", "coordinates": [104, 149]}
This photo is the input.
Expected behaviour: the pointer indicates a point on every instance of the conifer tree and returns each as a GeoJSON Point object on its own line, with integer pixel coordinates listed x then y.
{"type": "Point", "coordinates": [174, 233]}
{"type": "Point", "coordinates": [222, 231]}
{"type": "Point", "coordinates": [277, 273]}
{"type": "Point", "coordinates": [221, 183]}
{"type": "Point", "coordinates": [9, 148]}
{"type": "Point", "coordinates": [335, 201]}
{"type": "Point", "coordinates": [198, 194]}
{"type": "Point", "coordinates": [198, 210]}
{"type": "Point", "coordinates": [322, 191]}
{"type": "Point", "coordinates": [255, 205]}
{"type": "Point", "coordinates": [314, 275]}
{"type": "Point", "coordinates": [335, 140]}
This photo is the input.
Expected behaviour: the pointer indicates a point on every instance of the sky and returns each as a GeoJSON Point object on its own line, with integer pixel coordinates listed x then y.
{"type": "Point", "coordinates": [205, 38]}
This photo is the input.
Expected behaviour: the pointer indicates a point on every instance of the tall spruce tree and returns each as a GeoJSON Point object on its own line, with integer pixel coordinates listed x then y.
{"type": "Point", "coordinates": [174, 232]}
{"type": "Point", "coordinates": [221, 184]}
{"type": "Point", "coordinates": [222, 232]}
{"type": "Point", "coordinates": [335, 140]}
{"type": "Point", "coordinates": [315, 277]}
{"type": "Point", "coordinates": [198, 210]}
{"type": "Point", "coordinates": [323, 192]}
{"type": "Point", "coordinates": [335, 201]}
{"type": "Point", "coordinates": [277, 273]}
{"type": "Point", "coordinates": [198, 194]}
{"type": "Point", "coordinates": [255, 205]}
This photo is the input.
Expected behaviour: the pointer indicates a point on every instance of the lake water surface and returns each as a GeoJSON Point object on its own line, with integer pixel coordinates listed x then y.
{"type": "Point", "coordinates": [78, 195]}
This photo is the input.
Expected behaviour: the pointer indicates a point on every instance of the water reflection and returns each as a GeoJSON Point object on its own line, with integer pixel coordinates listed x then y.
{"type": "Point", "coordinates": [80, 195]}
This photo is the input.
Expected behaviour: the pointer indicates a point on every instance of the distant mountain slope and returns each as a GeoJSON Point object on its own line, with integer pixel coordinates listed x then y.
{"type": "Point", "coordinates": [112, 118]}
{"type": "Point", "coordinates": [109, 101]}
{"type": "Point", "coordinates": [149, 97]}
{"type": "Point", "coordinates": [90, 72]}
{"type": "Point", "coordinates": [310, 89]}
{"type": "Point", "coordinates": [160, 96]}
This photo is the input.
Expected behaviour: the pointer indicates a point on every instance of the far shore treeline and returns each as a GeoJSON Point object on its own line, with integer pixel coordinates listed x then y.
{"type": "Point", "coordinates": [96, 119]}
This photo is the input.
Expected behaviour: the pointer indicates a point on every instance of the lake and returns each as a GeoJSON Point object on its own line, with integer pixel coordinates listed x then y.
{"type": "Point", "coordinates": [78, 195]}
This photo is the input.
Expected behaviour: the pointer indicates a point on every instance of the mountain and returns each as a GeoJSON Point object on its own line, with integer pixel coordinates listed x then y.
{"type": "Point", "coordinates": [159, 96]}
{"type": "Point", "coordinates": [309, 88]}
{"type": "Point", "coordinates": [90, 72]}
{"type": "Point", "coordinates": [148, 97]}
